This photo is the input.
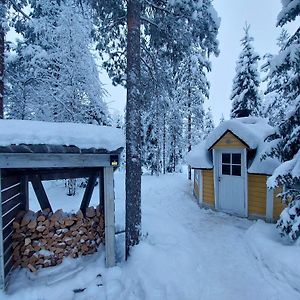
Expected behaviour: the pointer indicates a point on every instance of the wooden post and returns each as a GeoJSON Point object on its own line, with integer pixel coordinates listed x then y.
{"type": "Point", "coordinates": [88, 193]}
{"type": "Point", "coordinates": [109, 216]}
{"type": "Point", "coordinates": [101, 191]}
{"type": "Point", "coordinates": [40, 192]}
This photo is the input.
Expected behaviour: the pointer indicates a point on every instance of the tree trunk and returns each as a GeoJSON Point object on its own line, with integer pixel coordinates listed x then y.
{"type": "Point", "coordinates": [189, 132]}
{"type": "Point", "coordinates": [2, 37]}
{"type": "Point", "coordinates": [133, 127]}
{"type": "Point", "coordinates": [164, 144]}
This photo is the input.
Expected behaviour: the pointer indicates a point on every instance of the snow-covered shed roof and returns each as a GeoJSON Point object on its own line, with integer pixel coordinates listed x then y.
{"type": "Point", "coordinates": [252, 131]}
{"type": "Point", "coordinates": [16, 133]}
{"type": "Point", "coordinates": [198, 157]}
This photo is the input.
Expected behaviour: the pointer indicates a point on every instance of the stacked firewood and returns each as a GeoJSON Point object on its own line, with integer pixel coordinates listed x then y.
{"type": "Point", "coordinates": [43, 239]}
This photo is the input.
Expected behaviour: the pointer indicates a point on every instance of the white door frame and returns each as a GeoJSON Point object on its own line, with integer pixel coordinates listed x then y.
{"type": "Point", "coordinates": [217, 168]}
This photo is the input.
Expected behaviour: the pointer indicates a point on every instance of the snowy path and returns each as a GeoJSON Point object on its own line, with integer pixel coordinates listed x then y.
{"type": "Point", "coordinates": [200, 254]}
{"type": "Point", "coordinates": [187, 253]}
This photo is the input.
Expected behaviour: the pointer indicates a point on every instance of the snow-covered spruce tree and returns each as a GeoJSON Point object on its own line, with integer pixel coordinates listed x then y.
{"type": "Point", "coordinates": [60, 71]}
{"type": "Point", "coordinates": [208, 123]}
{"type": "Point", "coordinates": [274, 105]}
{"type": "Point", "coordinates": [193, 90]}
{"type": "Point", "coordinates": [245, 95]}
{"type": "Point", "coordinates": [288, 131]}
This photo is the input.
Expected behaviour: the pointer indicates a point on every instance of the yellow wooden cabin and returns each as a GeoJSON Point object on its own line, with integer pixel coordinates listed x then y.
{"type": "Point", "coordinates": [229, 172]}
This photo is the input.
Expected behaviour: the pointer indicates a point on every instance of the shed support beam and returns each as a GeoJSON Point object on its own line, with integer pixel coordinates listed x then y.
{"type": "Point", "coordinates": [88, 193]}
{"type": "Point", "coordinates": [25, 192]}
{"type": "Point", "coordinates": [40, 192]}
{"type": "Point", "coordinates": [109, 216]}
{"type": "Point", "coordinates": [101, 191]}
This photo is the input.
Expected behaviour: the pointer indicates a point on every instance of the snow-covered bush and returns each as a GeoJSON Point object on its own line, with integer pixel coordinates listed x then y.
{"type": "Point", "coordinates": [289, 221]}
{"type": "Point", "coordinates": [288, 174]}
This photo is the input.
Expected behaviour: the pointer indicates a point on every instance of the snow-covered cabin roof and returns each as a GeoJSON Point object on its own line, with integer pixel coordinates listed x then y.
{"type": "Point", "coordinates": [252, 131]}
{"type": "Point", "coordinates": [17, 133]}
{"type": "Point", "coordinates": [198, 157]}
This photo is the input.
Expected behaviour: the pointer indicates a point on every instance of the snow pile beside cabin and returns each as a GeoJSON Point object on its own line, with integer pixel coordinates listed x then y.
{"type": "Point", "coordinates": [83, 136]}
{"type": "Point", "coordinates": [252, 131]}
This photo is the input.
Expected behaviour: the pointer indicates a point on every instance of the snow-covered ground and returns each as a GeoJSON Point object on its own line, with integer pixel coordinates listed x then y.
{"type": "Point", "coordinates": [186, 253]}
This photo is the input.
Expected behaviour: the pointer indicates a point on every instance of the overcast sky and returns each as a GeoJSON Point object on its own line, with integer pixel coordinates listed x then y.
{"type": "Point", "coordinates": [261, 15]}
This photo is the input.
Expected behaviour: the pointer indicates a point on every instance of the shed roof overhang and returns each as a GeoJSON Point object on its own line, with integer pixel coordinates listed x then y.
{"type": "Point", "coordinates": [55, 156]}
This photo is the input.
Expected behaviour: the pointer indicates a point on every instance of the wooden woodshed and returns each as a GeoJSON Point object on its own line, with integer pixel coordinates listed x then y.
{"type": "Point", "coordinates": [32, 151]}
{"type": "Point", "coordinates": [230, 174]}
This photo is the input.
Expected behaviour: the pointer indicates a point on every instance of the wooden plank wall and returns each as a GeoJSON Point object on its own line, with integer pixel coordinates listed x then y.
{"type": "Point", "coordinates": [257, 195]}
{"type": "Point", "coordinates": [12, 201]}
{"type": "Point", "coordinates": [208, 187]}
{"type": "Point", "coordinates": [229, 141]}
{"type": "Point", "coordinates": [196, 189]}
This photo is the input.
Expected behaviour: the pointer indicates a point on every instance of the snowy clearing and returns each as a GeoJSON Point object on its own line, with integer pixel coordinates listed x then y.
{"type": "Point", "coordinates": [186, 253]}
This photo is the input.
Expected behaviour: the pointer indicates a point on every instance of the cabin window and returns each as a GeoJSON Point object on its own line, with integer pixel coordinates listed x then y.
{"type": "Point", "coordinates": [231, 164]}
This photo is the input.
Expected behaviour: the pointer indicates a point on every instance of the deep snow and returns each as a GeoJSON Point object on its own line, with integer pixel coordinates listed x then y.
{"type": "Point", "coordinates": [186, 253]}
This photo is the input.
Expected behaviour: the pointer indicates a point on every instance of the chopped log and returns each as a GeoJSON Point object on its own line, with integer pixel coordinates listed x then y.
{"type": "Point", "coordinates": [90, 212]}
{"type": "Point", "coordinates": [40, 228]}
{"type": "Point", "coordinates": [31, 268]}
{"type": "Point", "coordinates": [62, 234]}
{"type": "Point", "coordinates": [16, 225]}
{"type": "Point", "coordinates": [27, 241]}
{"type": "Point", "coordinates": [32, 225]}
{"type": "Point", "coordinates": [41, 218]}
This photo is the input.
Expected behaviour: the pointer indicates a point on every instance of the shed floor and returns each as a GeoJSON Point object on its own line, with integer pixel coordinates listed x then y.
{"type": "Point", "coordinates": [186, 253]}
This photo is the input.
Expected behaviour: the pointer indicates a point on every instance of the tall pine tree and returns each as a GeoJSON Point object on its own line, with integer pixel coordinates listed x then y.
{"type": "Point", "coordinates": [53, 74]}
{"type": "Point", "coordinates": [133, 126]}
{"type": "Point", "coordinates": [245, 95]}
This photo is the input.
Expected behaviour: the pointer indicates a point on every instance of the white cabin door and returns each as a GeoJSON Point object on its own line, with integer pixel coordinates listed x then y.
{"type": "Point", "coordinates": [231, 179]}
